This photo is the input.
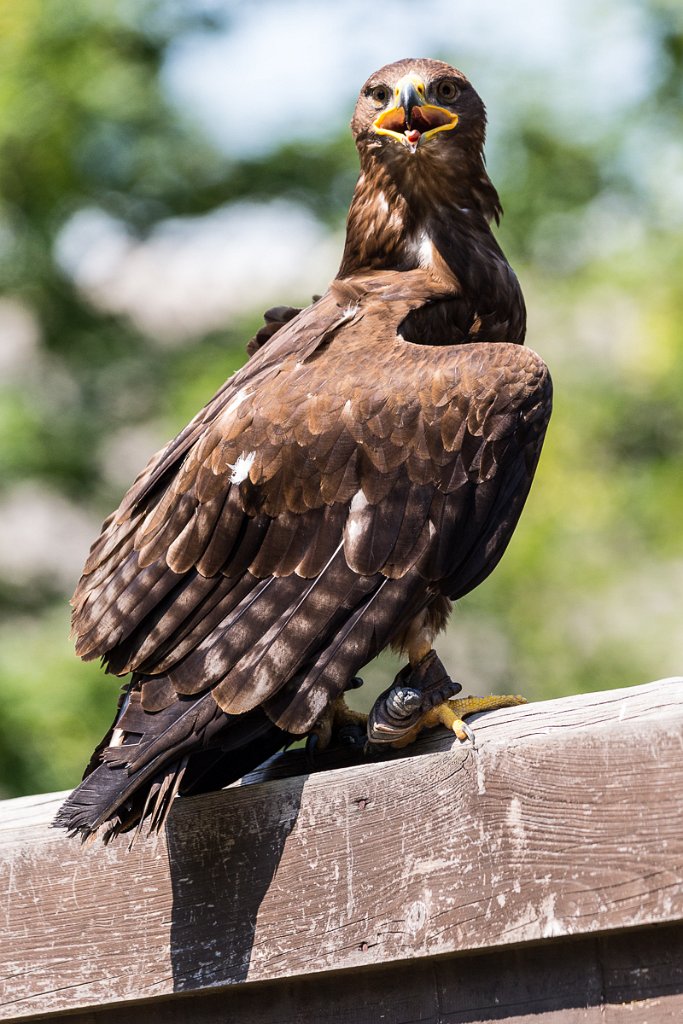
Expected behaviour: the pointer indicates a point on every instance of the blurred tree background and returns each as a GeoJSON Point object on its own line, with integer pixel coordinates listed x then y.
{"type": "Point", "coordinates": [141, 236]}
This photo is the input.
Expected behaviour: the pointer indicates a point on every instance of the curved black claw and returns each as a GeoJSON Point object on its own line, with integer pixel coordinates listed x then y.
{"type": "Point", "coordinates": [312, 742]}
{"type": "Point", "coordinates": [352, 736]}
{"type": "Point", "coordinates": [353, 684]}
{"type": "Point", "coordinates": [374, 751]}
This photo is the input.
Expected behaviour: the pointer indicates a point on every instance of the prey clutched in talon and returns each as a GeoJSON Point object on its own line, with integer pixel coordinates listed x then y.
{"type": "Point", "coordinates": [422, 696]}
{"type": "Point", "coordinates": [417, 689]}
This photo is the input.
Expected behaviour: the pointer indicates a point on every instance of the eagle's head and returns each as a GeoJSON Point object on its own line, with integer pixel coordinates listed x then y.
{"type": "Point", "coordinates": [419, 127]}
{"type": "Point", "coordinates": [419, 113]}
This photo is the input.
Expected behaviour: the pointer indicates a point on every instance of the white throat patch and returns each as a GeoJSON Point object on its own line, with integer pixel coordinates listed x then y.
{"type": "Point", "coordinates": [425, 251]}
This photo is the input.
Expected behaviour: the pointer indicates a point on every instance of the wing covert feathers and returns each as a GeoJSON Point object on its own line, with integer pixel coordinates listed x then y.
{"type": "Point", "coordinates": [337, 485]}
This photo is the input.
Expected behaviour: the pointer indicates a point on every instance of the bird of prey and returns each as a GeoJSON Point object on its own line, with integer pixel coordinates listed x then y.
{"type": "Point", "coordinates": [365, 468]}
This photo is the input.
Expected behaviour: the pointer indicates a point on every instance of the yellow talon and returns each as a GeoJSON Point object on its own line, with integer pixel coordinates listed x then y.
{"type": "Point", "coordinates": [452, 713]}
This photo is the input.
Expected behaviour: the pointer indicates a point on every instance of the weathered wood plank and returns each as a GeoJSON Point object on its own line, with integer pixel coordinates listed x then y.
{"type": "Point", "coordinates": [632, 977]}
{"type": "Point", "coordinates": [565, 820]}
{"type": "Point", "coordinates": [633, 704]}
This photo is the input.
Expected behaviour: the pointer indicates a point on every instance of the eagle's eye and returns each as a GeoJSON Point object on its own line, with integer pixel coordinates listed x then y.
{"type": "Point", "coordinates": [380, 94]}
{"type": "Point", "coordinates": [447, 89]}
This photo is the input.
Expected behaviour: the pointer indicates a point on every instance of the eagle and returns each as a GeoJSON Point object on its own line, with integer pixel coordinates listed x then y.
{"type": "Point", "coordinates": [364, 469]}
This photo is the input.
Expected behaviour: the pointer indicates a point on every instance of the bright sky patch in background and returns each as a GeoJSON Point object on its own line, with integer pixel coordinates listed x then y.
{"type": "Point", "coordinates": [293, 70]}
{"type": "Point", "coordinates": [284, 72]}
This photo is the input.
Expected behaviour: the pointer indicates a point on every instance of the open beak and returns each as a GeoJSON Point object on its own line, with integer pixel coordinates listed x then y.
{"type": "Point", "coordinates": [411, 120]}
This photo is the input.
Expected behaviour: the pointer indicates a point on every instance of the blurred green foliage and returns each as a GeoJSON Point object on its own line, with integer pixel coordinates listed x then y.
{"type": "Point", "coordinates": [588, 596]}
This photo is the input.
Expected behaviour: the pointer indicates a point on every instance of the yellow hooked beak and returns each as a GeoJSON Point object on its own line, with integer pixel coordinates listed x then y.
{"type": "Point", "coordinates": [411, 120]}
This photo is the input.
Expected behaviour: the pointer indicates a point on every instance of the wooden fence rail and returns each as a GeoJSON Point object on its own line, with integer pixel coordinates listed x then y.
{"type": "Point", "coordinates": [537, 876]}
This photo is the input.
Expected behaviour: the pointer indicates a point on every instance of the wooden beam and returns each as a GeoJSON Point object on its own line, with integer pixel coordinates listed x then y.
{"type": "Point", "coordinates": [627, 978]}
{"type": "Point", "coordinates": [564, 820]}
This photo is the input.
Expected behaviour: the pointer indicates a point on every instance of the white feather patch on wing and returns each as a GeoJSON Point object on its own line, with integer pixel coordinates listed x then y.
{"type": "Point", "coordinates": [235, 402]}
{"type": "Point", "coordinates": [354, 523]}
{"type": "Point", "coordinates": [117, 738]}
{"type": "Point", "coordinates": [240, 470]}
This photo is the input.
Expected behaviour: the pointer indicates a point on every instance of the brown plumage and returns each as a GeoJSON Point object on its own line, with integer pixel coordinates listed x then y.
{"type": "Point", "coordinates": [364, 468]}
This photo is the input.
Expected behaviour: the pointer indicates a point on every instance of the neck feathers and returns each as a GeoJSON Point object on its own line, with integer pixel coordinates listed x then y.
{"type": "Point", "coordinates": [396, 224]}
{"type": "Point", "coordinates": [378, 225]}
{"type": "Point", "coordinates": [440, 226]}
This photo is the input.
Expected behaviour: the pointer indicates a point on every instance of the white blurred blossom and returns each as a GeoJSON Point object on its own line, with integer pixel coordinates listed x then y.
{"type": "Point", "coordinates": [43, 536]}
{"type": "Point", "coordinates": [125, 453]}
{"type": "Point", "coordinates": [19, 340]}
{"type": "Point", "coordinates": [193, 274]}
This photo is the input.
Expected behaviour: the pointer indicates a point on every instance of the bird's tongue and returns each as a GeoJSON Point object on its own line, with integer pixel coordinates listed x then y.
{"type": "Point", "coordinates": [418, 121]}
{"type": "Point", "coordinates": [421, 121]}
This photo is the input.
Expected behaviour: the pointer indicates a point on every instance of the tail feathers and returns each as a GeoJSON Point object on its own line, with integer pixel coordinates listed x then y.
{"type": "Point", "coordinates": [189, 722]}
{"type": "Point", "coordinates": [101, 797]}
{"type": "Point", "coordinates": [160, 797]}
{"type": "Point", "coordinates": [134, 784]}
{"type": "Point", "coordinates": [110, 801]}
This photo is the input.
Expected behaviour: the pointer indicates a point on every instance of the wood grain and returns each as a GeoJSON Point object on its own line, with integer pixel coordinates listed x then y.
{"type": "Point", "coordinates": [610, 980]}
{"type": "Point", "coordinates": [564, 820]}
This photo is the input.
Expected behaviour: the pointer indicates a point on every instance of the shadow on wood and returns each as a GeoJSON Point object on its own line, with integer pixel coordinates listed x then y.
{"type": "Point", "coordinates": [222, 861]}
{"type": "Point", "coordinates": [617, 979]}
